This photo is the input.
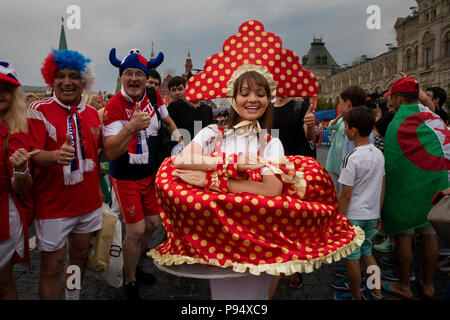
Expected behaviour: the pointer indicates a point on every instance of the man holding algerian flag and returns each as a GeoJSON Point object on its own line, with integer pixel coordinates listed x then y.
{"type": "Point", "coordinates": [417, 160]}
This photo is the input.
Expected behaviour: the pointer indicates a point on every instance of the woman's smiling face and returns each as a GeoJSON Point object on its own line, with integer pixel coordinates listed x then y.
{"type": "Point", "coordinates": [251, 101]}
{"type": "Point", "coordinates": [6, 93]}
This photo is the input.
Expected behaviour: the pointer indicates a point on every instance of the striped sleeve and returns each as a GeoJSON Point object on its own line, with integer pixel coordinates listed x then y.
{"type": "Point", "coordinates": [38, 126]}
{"type": "Point", "coordinates": [348, 172]}
{"type": "Point", "coordinates": [162, 108]}
{"type": "Point", "coordinates": [345, 160]}
{"type": "Point", "coordinates": [113, 119]}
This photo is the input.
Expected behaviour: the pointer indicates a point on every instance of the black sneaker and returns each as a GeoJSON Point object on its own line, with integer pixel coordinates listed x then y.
{"type": "Point", "coordinates": [144, 277]}
{"type": "Point", "coordinates": [388, 261]}
{"type": "Point", "coordinates": [131, 291]}
{"type": "Point", "coordinates": [392, 274]}
{"type": "Point", "coordinates": [340, 273]}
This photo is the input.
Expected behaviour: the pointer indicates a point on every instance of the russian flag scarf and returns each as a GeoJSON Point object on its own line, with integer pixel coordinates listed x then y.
{"type": "Point", "coordinates": [138, 150]}
{"type": "Point", "coordinates": [73, 173]}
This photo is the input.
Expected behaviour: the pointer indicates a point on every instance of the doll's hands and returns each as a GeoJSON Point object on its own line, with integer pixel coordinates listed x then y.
{"type": "Point", "coordinates": [247, 161]}
{"type": "Point", "coordinates": [196, 178]}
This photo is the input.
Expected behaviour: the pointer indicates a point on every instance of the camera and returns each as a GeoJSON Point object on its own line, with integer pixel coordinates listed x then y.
{"type": "Point", "coordinates": [375, 99]}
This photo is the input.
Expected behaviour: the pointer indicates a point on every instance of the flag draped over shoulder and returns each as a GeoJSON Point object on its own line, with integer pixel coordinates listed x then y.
{"type": "Point", "coordinates": [417, 163]}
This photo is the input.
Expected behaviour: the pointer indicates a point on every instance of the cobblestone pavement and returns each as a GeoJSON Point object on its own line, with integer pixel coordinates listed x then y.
{"type": "Point", "coordinates": [170, 287]}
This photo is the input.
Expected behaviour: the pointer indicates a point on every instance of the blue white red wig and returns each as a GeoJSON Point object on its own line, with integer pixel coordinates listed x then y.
{"type": "Point", "coordinates": [73, 60]}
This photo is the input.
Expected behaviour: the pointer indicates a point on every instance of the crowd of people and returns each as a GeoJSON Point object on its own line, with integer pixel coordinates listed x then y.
{"type": "Point", "coordinates": [398, 223]}
{"type": "Point", "coordinates": [56, 151]}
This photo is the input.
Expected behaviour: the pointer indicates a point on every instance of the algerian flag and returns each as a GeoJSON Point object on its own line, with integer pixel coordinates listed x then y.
{"type": "Point", "coordinates": [417, 163]}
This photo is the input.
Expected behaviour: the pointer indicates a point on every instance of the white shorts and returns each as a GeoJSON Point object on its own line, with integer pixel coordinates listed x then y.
{"type": "Point", "coordinates": [51, 234]}
{"type": "Point", "coordinates": [15, 243]}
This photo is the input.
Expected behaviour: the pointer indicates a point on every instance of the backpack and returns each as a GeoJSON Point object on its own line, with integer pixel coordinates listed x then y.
{"type": "Point", "coordinates": [300, 109]}
{"type": "Point", "coordinates": [165, 143]}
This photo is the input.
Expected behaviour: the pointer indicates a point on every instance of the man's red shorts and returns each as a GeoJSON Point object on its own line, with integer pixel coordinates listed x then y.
{"type": "Point", "coordinates": [137, 199]}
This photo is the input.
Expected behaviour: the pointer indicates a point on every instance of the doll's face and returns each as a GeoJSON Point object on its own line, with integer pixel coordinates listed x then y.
{"type": "Point", "coordinates": [251, 103]}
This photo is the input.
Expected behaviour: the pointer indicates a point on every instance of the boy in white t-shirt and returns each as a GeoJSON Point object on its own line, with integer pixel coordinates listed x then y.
{"type": "Point", "coordinates": [362, 179]}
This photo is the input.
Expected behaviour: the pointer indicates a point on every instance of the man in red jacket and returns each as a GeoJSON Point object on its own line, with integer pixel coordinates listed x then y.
{"type": "Point", "coordinates": [130, 129]}
{"type": "Point", "coordinates": [68, 203]}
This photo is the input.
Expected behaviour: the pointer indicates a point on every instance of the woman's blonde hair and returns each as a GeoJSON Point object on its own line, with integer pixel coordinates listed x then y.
{"type": "Point", "coordinates": [92, 96]}
{"type": "Point", "coordinates": [16, 115]}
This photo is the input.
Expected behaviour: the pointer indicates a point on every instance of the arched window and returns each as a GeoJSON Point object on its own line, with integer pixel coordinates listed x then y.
{"type": "Point", "coordinates": [416, 56]}
{"type": "Point", "coordinates": [447, 45]}
{"type": "Point", "coordinates": [409, 60]}
{"type": "Point", "coordinates": [428, 45]}
{"type": "Point", "coordinates": [428, 56]}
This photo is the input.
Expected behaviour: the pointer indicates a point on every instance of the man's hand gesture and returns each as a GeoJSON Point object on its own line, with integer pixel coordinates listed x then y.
{"type": "Point", "coordinates": [66, 152]}
{"type": "Point", "coordinates": [310, 119]}
{"type": "Point", "coordinates": [139, 121]}
{"type": "Point", "coordinates": [20, 157]}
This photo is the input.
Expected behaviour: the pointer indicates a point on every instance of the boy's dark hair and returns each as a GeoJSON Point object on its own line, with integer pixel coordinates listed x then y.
{"type": "Point", "coordinates": [439, 93]}
{"type": "Point", "coordinates": [355, 94]}
{"type": "Point", "coordinates": [409, 97]}
{"type": "Point", "coordinates": [176, 81]}
{"type": "Point", "coordinates": [361, 118]}
{"type": "Point", "coordinates": [154, 74]}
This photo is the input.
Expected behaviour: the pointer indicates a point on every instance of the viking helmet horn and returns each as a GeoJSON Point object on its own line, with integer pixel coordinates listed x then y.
{"type": "Point", "coordinates": [156, 62]}
{"type": "Point", "coordinates": [113, 58]}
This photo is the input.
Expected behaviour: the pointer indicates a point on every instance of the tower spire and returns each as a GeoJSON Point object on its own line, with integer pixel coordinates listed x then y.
{"type": "Point", "coordinates": [152, 54]}
{"type": "Point", "coordinates": [189, 50]}
{"type": "Point", "coordinates": [188, 65]}
{"type": "Point", "coordinates": [62, 37]}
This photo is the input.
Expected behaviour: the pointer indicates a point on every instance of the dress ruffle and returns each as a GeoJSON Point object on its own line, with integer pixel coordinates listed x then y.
{"type": "Point", "coordinates": [288, 233]}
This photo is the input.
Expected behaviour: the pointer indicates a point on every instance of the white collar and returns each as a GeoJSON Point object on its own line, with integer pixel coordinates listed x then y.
{"type": "Point", "coordinates": [80, 106]}
{"type": "Point", "coordinates": [128, 98]}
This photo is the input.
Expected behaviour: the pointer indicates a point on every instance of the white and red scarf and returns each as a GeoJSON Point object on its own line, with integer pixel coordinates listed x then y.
{"type": "Point", "coordinates": [138, 147]}
{"type": "Point", "coordinates": [73, 173]}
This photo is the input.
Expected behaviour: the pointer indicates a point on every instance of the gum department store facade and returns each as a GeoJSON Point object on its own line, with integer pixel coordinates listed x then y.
{"type": "Point", "coordinates": [422, 52]}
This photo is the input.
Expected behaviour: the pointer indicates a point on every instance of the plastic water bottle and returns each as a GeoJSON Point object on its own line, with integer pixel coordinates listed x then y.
{"type": "Point", "coordinates": [176, 150]}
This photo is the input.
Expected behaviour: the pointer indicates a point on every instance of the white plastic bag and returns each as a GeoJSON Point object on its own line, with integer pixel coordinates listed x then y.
{"type": "Point", "coordinates": [114, 274]}
{"type": "Point", "coordinates": [100, 246]}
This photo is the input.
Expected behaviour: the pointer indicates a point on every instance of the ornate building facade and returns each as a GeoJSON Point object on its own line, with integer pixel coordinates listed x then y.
{"type": "Point", "coordinates": [422, 52]}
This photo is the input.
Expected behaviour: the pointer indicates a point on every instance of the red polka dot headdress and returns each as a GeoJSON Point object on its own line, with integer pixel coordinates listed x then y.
{"type": "Point", "coordinates": [252, 49]}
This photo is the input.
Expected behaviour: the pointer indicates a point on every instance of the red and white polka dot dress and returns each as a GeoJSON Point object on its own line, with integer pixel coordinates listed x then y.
{"type": "Point", "coordinates": [248, 232]}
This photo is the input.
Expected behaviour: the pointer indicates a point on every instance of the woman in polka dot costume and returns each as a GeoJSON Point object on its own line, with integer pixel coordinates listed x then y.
{"type": "Point", "coordinates": [231, 198]}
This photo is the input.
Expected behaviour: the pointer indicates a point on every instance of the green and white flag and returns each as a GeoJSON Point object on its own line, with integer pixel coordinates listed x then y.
{"type": "Point", "coordinates": [417, 164]}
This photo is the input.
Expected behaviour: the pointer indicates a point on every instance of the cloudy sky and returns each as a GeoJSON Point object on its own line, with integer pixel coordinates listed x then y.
{"type": "Point", "coordinates": [30, 29]}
